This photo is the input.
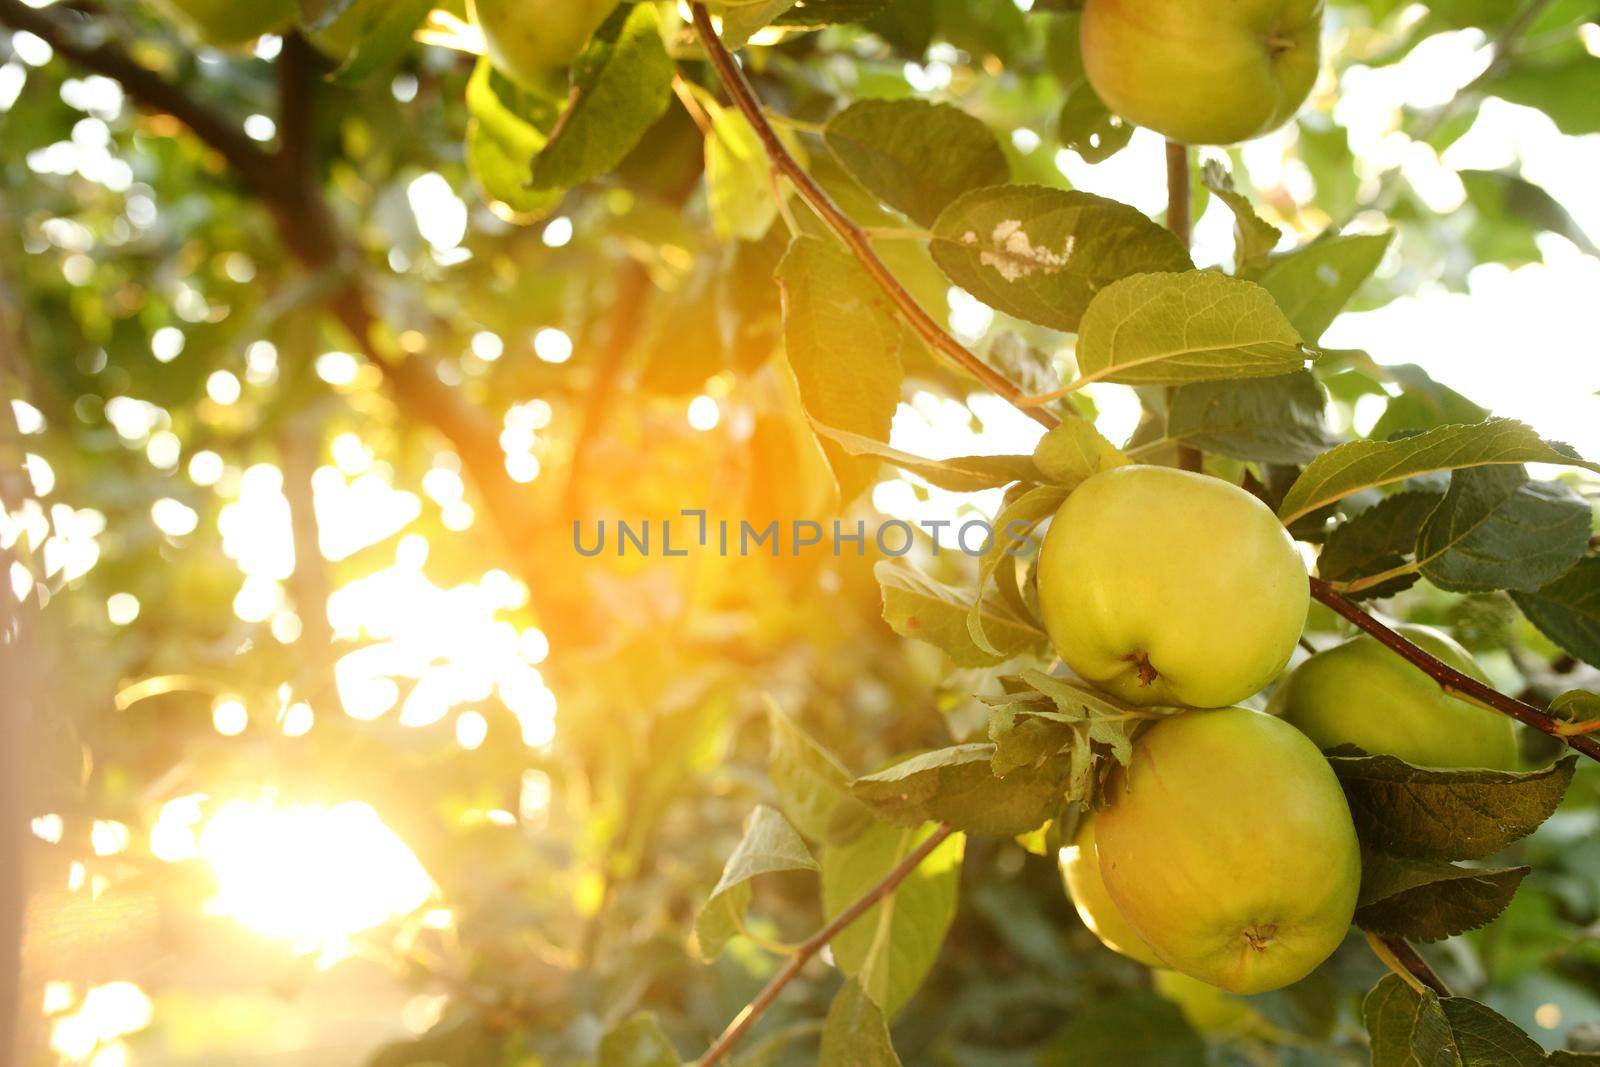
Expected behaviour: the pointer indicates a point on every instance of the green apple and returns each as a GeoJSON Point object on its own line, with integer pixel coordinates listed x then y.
{"type": "Point", "coordinates": [1207, 1008]}
{"type": "Point", "coordinates": [1229, 848]}
{"type": "Point", "coordinates": [528, 40]}
{"type": "Point", "coordinates": [231, 22]}
{"type": "Point", "coordinates": [1080, 870]}
{"type": "Point", "coordinates": [1165, 587]}
{"type": "Point", "coordinates": [1203, 73]}
{"type": "Point", "coordinates": [1361, 693]}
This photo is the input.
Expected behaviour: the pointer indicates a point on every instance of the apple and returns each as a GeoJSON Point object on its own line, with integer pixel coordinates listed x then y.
{"type": "Point", "coordinates": [1165, 587]}
{"type": "Point", "coordinates": [1361, 693]}
{"type": "Point", "coordinates": [1229, 848]}
{"type": "Point", "coordinates": [528, 40]}
{"type": "Point", "coordinates": [1203, 73]}
{"type": "Point", "coordinates": [1080, 870]}
{"type": "Point", "coordinates": [232, 22]}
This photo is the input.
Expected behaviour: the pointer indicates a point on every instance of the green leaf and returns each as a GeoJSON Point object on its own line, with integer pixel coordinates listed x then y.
{"type": "Point", "coordinates": [842, 341]}
{"type": "Point", "coordinates": [1169, 329]}
{"type": "Point", "coordinates": [1567, 610]}
{"type": "Point", "coordinates": [1360, 465]}
{"type": "Point", "coordinates": [1495, 529]}
{"type": "Point", "coordinates": [856, 1033]}
{"type": "Point", "coordinates": [1275, 420]}
{"type": "Point", "coordinates": [1086, 126]}
{"type": "Point", "coordinates": [891, 947]}
{"type": "Point", "coordinates": [621, 84]}
{"type": "Point", "coordinates": [1012, 529]}
{"type": "Point", "coordinates": [1073, 452]}
{"type": "Point", "coordinates": [1041, 254]}
{"type": "Point", "coordinates": [637, 1041]}
{"type": "Point", "coordinates": [739, 186]}
{"type": "Point", "coordinates": [1377, 540]}
{"type": "Point", "coordinates": [1312, 284]}
{"type": "Point", "coordinates": [1428, 813]}
{"type": "Point", "coordinates": [831, 12]}
{"type": "Point", "coordinates": [813, 786]}
{"type": "Point", "coordinates": [506, 130]}
{"type": "Point", "coordinates": [962, 474]}
{"type": "Point", "coordinates": [916, 606]}
{"type": "Point", "coordinates": [1509, 202]}
{"type": "Point", "coordinates": [380, 33]}
{"type": "Point", "coordinates": [1254, 238]}
{"type": "Point", "coordinates": [770, 844]}
{"type": "Point", "coordinates": [887, 145]}
{"type": "Point", "coordinates": [1429, 900]}
{"type": "Point", "coordinates": [740, 21]}
{"type": "Point", "coordinates": [956, 785]}
{"type": "Point", "coordinates": [1567, 90]}
{"type": "Point", "coordinates": [1419, 1029]}
{"type": "Point", "coordinates": [1133, 1030]}
{"type": "Point", "coordinates": [1043, 719]}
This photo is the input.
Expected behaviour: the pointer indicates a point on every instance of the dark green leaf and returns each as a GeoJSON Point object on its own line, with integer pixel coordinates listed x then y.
{"type": "Point", "coordinates": [1576, 705]}
{"type": "Point", "coordinates": [1495, 529]}
{"type": "Point", "coordinates": [1041, 254]}
{"type": "Point", "coordinates": [1275, 420]}
{"type": "Point", "coordinates": [887, 144]}
{"type": "Point", "coordinates": [1313, 284]}
{"type": "Point", "coordinates": [1418, 1029]}
{"type": "Point", "coordinates": [813, 786]}
{"type": "Point", "coordinates": [1428, 900]}
{"type": "Point", "coordinates": [379, 34]}
{"type": "Point", "coordinates": [1446, 814]}
{"type": "Point", "coordinates": [1134, 1030]}
{"type": "Point", "coordinates": [1087, 127]}
{"type": "Point", "coordinates": [770, 844]}
{"type": "Point", "coordinates": [1377, 540]}
{"type": "Point", "coordinates": [956, 785]}
{"type": "Point", "coordinates": [1567, 610]}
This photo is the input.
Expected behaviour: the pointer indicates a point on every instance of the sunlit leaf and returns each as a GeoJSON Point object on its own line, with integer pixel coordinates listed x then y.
{"type": "Point", "coordinates": [769, 845]}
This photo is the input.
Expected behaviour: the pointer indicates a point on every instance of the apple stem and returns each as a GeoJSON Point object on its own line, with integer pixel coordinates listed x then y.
{"type": "Point", "coordinates": [1147, 672]}
{"type": "Point", "coordinates": [1454, 681]}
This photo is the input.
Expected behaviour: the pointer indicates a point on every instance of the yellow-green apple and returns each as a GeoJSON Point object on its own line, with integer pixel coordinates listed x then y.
{"type": "Point", "coordinates": [1212, 72]}
{"type": "Point", "coordinates": [1229, 848]}
{"type": "Point", "coordinates": [1361, 693]}
{"type": "Point", "coordinates": [1165, 587]}
{"type": "Point", "coordinates": [231, 22]}
{"type": "Point", "coordinates": [1080, 870]}
{"type": "Point", "coordinates": [528, 40]}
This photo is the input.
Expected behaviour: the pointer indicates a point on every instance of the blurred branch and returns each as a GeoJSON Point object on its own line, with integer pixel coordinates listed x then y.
{"type": "Point", "coordinates": [744, 98]}
{"type": "Point", "coordinates": [1400, 957]}
{"type": "Point", "coordinates": [1452, 680]}
{"type": "Point", "coordinates": [815, 943]}
{"type": "Point", "coordinates": [1189, 458]}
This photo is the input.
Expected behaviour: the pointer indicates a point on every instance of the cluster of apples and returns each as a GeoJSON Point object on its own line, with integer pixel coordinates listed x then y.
{"type": "Point", "coordinates": [1225, 849]}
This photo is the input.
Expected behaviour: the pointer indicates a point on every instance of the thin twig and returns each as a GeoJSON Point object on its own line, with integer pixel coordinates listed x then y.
{"type": "Point", "coordinates": [1452, 680]}
{"type": "Point", "coordinates": [814, 944]}
{"type": "Point", "coordinates": [1400, 957]}
{"type": "Point", "coordinates": [744, 98]}
{"type": "Point", "coordinates": [1189, 457]}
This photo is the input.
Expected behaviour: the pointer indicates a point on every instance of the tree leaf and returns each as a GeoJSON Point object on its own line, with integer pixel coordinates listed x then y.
{"type": "Point", "coordinates": [1275, 420]}
{"type": "Point", "coordinates": [891, 947]}
{"type": "Point", "coordinates": [1012, 528]}
{"type": "Point", "coordinates": [1168, 329]}
{"type": "Point", "coordinates": [1419, 1029]}
{"type": "Point", "coordinates": [1133, 1030]}
{"type": "Point", "coordinates": [1312, 284]}
{"type": "Point", "coordinates": [1368, 464]}
{"type": "Point", "coordinates": [1567, 90]}
{"type": "Point", "coordinates": [1422, 404]}
{"type": "Point", "coordinates": [506, 130]}
{"type": "Point", "coordinates": [739, 187]}
{"type": "Point", "coordinates": [741, 20]}
{"type": "Point", "coordinates": [1428, 813]}
{"type": "Point", "coordinates": [831, 12]}
{"type": "Point", "coordinates": [1254, 238]}
{"type": "Point", "coordinates": [1428, 900]}
{"type": "Point", "coordinates": [962, 474]}
{"type": "Point", "coordinates": [856, 1033]}
{"type": "Point", "coordinates": [1041, 254]}
{"type": "Point", "coordinates": [380, 34]}
{"type": "Point", "coordinates": [842, 342]}
{"type": "Point", "coordinates": [1576, 705]}
{"type": "Point", "coordinates": [813, 786]}
{"type": "Point", "coordinates": [622, 83]}
{"type": "Point", "coordinates": [1086, 126]}
{"type": "Point", "coordinates": [956, 785]}
{"type": "Point", "coordinates": [637, 1041]}
{"type": "Point", "coordinates": [916, 606]}
{"type": "Point", "coordinates": [1073, 452]}
{"type": "Point", "coordinates": [770, 844]}
{"type": "Point", "coordinates": [887, 145]}
{"type": "Point", "coordinates": [1378, 539]}
{"type": "Point", "coordinates": [1495, 529]}
{"type": "Point", "coordinates": [1567, 610]}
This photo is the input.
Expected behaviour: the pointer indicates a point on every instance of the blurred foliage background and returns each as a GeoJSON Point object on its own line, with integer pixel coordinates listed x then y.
{"type": "Point", "coordinates": [332, 741]}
